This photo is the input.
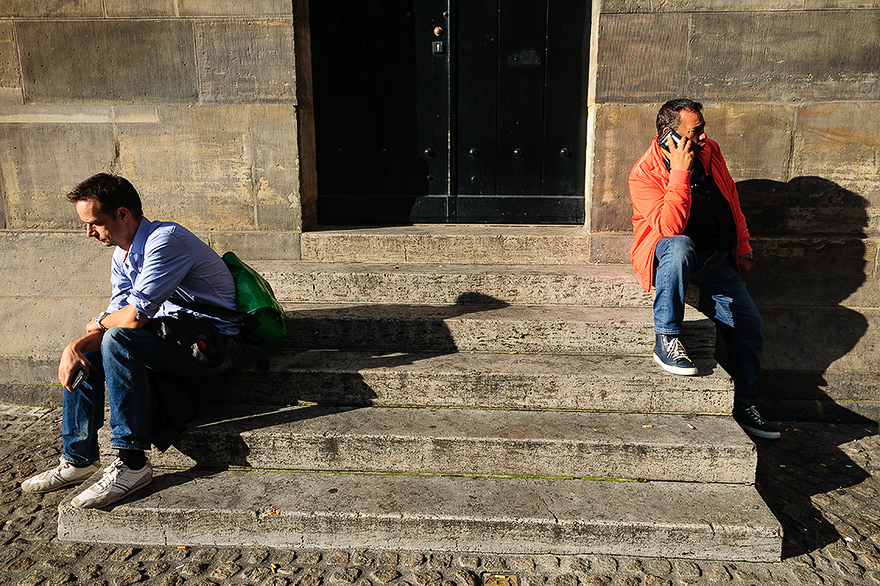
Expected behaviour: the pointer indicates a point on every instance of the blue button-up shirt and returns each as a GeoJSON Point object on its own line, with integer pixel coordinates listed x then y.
{"type": "Point", "coordinates": [166, 259]}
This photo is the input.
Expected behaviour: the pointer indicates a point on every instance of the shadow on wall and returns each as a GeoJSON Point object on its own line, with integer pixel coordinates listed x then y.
{"type": "Point", "coordinates": [809, 236]}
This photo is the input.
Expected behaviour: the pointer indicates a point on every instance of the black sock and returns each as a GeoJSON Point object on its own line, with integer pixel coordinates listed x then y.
{"type": "Point", "coordinates": [80, 465]}
{"type": "Point", "coordinates": [134, 459]}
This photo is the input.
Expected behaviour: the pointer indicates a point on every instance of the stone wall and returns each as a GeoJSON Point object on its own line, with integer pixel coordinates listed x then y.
{"type": "Point", "coordinates": [194, 101]}
{"type": "Point", "coordinates": [792, 93]}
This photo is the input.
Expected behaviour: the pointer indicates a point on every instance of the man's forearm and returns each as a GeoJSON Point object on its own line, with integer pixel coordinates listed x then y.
{"type": "Point", "coordinates": [127, 317]}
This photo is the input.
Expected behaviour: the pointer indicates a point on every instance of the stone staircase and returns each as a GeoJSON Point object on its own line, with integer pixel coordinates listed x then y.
{"type": "Point", "coordinates": [504, 403]}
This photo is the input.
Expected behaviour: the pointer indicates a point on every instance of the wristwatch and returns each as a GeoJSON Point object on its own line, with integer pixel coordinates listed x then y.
{"type": "Point", "coordinates": [98, 319]}
{"type": "Point", "coordinates": [747, 255]}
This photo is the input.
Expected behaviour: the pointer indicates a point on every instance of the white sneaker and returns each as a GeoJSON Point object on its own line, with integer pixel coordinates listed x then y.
{"type": "Point", "coordinates": [118, 481]}
{"type": "Point", "coordinates": [64, 474]}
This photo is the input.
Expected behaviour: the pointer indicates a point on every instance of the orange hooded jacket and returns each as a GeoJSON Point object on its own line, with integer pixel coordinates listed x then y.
{"type": "Point", "coordinates": [661, 203]}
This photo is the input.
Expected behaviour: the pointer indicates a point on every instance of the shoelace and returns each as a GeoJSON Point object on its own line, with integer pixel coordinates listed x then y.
{"type": "Point", "coordinates": [675, 349]}
{"type": "Point", "coordinates": [111, 472]}
{"type": "Point", "coordinates": [754, 415]}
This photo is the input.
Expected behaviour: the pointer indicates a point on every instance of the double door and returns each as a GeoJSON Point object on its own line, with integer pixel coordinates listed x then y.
{"type": "Point", "coordinates": [444, 111]}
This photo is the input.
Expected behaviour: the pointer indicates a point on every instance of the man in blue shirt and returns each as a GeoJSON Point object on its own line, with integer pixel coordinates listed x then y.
{"type": "Point", "coordinates": [153, 262]}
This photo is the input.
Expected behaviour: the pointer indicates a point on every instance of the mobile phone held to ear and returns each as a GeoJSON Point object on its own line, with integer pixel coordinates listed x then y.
{"type": "Point", "coordinates": [667, 134]}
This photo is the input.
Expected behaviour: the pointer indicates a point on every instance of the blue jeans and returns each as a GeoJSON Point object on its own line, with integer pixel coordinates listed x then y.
{"type": "Point", "coordinates": [723, 298]}
{"type": "Point", "coordinates": [125, 357]}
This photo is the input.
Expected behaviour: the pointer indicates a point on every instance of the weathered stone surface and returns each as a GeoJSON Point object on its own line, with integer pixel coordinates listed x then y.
{"type": "Point", "coordinates": [234, 8]}
{"type": "Point", "coordinates": [11, 95]}
{"type": "Point", "coordinates": [10, 76]}
{"type": "Point", "coordinates": [824, 4]}
{"type": "Point", "coordinates": [463, 328]}
{"type": "Point", "coordinates": [140, 8]}
{"type": "Point", "coordinates": [476, 380]}
{"type": "Point", "coordinates": [246, 61]}
{"type": "Point", "coordinates": [788, 344]}
{"type": "Point", "coordinates": [215, 166]}
{"type": "Point", "coordinates": [788, 56]}
{"type": "Point", "coordinates": [686, 448]}
{"type": "Point", "coordinates": [464, 284]}
{"type": "Point", "coordinates": [40, 8]}
{"type": "Point", "coordinates": [630, 68]}
{"type": "Point", "coordinates": [610, 248]}
{"type": "Point", "coordinates": [623, 132]}
{"type": "Point", "coordinates": [839, 142]}
{"type": "Point", "coordinates": [258, 245]}
{"type": "Point", "coordinates": [625, 6]}
{"type": "Point", "coordinates": [754, 138]}
{"type": "Point", "coordinates": [450, 243]}
{"type": "Point", "coordinates": [351, 511]}
{"type": "Point", "coordinates": [749, 54]}
{"type": "Point", "coordinates": [41, 162]}
{"type": "Point", "coordinates": [66, 61]}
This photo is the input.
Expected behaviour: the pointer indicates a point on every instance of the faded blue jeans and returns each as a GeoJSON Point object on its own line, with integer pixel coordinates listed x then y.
{"type": "Point", "coordinates": [122, 363]}
{"type": "Point", "coordinates": [723, 298]}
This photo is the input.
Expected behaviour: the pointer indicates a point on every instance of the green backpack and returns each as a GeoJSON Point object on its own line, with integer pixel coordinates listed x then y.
{"type": "Point", "coordinates": [257, 310]}
{"type": "Point", "coordinates": [254, 297]}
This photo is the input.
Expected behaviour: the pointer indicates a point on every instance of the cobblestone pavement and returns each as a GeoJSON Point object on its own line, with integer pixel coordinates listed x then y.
{"type": "Point", "coordinates": [822, 481]}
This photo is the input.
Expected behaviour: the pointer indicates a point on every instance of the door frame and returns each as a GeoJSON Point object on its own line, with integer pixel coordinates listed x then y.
{"type": "Point", "coordinates": [305, 116]}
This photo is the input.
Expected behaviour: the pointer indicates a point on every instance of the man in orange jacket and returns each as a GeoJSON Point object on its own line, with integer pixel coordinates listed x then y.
{"type": "Point", "coordinates": [688, 228]}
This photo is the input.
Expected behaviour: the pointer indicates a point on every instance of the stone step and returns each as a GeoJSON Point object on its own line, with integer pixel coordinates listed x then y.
{"type": "Point", "coordinates": [687, 448]}
{"type": "Point", "coordinates": [448, 284]}
{"type": "Point", "coordinates": [436, 513]}
{"type": "Point", "coordinates": [465, 379]}
{"type": "Point", "coordinates": [439, 243]}
{"type": "Point", "coordinates": [560, 329]}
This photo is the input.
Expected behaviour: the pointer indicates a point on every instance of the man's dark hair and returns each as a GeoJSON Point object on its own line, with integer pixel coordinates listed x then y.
{"type": "Point", "coordinates": [670, 113]}
{"type": "Point", "coordinates": [111, 192]}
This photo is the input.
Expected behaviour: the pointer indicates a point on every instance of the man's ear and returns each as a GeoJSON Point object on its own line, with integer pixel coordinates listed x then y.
{"type": "Point", "coordinates": [124, 214]}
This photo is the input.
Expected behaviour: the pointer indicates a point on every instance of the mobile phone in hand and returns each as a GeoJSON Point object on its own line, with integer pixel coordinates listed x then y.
{"type": "Point", "coordinates": [668, 134]}
{"type": "Point", "coordinates": [78, 379]}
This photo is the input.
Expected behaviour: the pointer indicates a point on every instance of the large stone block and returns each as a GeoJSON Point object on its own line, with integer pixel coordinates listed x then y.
{"type": "Point", "coordinates": [829, 339]}
{"type": "Point", "coordinates": [839, 142]}
{"type": "Point", "coordinates": [633, 64]}
{"type": "Point", "coordinates": [826, 4]}
{"type": "Point", "coordinates": [140, 8]}
{"type": "Point", "coordinates": [626, 6]}
{"type": "Point", "coordinates": [41, 161]}
{"type": "Point", "coordinates": [10, 76]}
{"type": "Point", "coordinates": [819, 272]}
{"type": "Point", "coordinates": [258, 245]}
{"type": "Point", "coordinates": [246, 61]}
{"type": "Point", "coordinates": [41, 8]}
{"type": "Point", "coordinates": [789, 56]}
{"type": "Point", "coordinates": [234, 7]}
{"type": "Point", "coordinates": [215, 167]}
{"type": "Point", "coordinates": [40, 264]}
{"type": "Point", "coordinates": [108, 61]}
{"type": "Point", "coordinates": [803, 207]}
{"type": "Point", "coordinates": [623, 133]}
{"type": "Point", "coordinates": [755, 140]}
{"type": "Point", "coordinates": [51, 284]}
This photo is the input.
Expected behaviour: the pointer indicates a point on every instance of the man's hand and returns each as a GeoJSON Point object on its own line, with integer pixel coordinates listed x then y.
{"type": "Point", "coordinates": [73, 359]}
{"type": "Point", "coordinates": [681, 156]}
{"type": "Point", "coordinates": [743, 266]}
{"type": "Point", "coordinates": [93, 326]}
